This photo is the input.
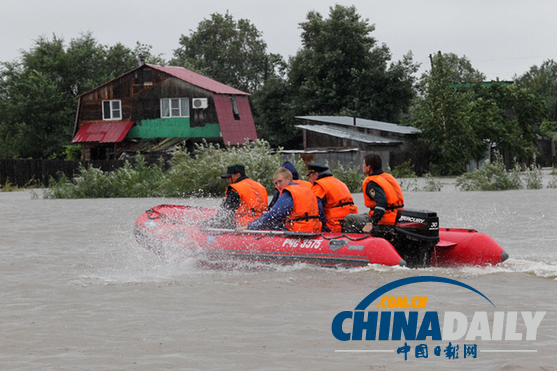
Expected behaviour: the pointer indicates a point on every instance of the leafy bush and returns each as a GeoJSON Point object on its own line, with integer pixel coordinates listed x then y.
{"type": "Point", "coordinates": [553, 182]}
{"type": "Point", "coordinates": [137, 180]}
{"type": "Point", "coordinates": [404, 170]}
{"type": "Point", "coordinates": [491, 177]}
{"type": "Point", "coordinates": [200, 174]}
{"type": "Point", "coordinates": [190, 174]}
{"type": "Point", "coordinates": [8, 187]}
{"type": "Point", "coordinates": [352, 177]}
{"type": "Point", "coordinates": [409, 185]}
{"type": "Point", "coordinates": [534, 178]}
{"type": "Point", "coordinates": [431, 184]}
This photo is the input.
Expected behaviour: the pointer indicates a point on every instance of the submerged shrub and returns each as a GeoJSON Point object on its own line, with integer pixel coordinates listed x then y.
{"type": "Point", "coordinates": [409, 185]}
{"type": "Point", "coordinates": [553, 182]}
{"type": "Point", "coordinates": [137, 180]}
{"type": "Point", "coordinates": [351, 176]}
{"type": "Point", "coordinates": [534, 177]}
{"type": "Point", "coordinates": [490, 177]}
{"type": "Point", "coordinates": [431, 184]}
{"type": "Point", "coordinates": [199, 173]}
{"type": "Point", "coordinates": [404, 170]}
{"type": "Point", "coordinates": [196, 173]}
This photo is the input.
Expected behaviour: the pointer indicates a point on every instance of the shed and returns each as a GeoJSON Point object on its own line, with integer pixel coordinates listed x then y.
{"type": "Point", "coordinates": [330, 136]}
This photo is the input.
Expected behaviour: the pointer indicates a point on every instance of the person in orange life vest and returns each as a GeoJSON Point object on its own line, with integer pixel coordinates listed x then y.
{"type": "Point", "coordinates": [383, 196]}
{"type": "Point", "coordinates": [295, 178]}
{"type": "Point", "coordinates": [246, 200]}
{"type": "Point", "coordinates": [297, 208]}
{"type": "Point", "coordinates": [334, 195]}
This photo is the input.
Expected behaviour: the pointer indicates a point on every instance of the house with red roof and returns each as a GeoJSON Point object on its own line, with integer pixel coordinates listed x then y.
{"type": "Point", "coordinates": [152, 107]}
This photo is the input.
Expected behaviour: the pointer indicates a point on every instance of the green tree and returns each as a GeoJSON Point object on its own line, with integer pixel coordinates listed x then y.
{"type": "Point", "coordinates": [340, 70]}
{"type": "Point", "coordinates": [519, 110]}
{"type": "Point", "coordinates": [273, 112]}
{"type": "Point", "coordinates": [38, 91]}
{"type": "Point", "coordinates": [542, 81]}
{"type": "Point", "coordinates": [459, 122]}
{"type": "Point", "coordinates": [442, 117]}
{"type": "Point", "coordinates": [229, 51]}
{"type": "Point", "coordinates": [459, 71]}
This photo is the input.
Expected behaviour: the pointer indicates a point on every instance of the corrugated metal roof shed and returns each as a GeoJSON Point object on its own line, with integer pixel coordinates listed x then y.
{"type": "Point", "coordinates": [362, 123]}
{"type": "Point", "coordinates": [349, 134]}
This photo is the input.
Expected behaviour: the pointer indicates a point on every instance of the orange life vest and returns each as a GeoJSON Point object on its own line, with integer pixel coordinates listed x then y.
{"type": "Point", "coordinates": [305, 212]}
{"type": "Point", "coordinates": [253, 201]}
{"type": "Point", "coordinates": [338, 201]}
{"type": "Point", "coordinates": [305, 183]}
{"type": "Point", "coordinates": [395, 199]}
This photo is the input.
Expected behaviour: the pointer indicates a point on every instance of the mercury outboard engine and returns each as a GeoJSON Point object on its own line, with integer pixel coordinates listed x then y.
{"type": "Point", "coordinates": [416, 234]}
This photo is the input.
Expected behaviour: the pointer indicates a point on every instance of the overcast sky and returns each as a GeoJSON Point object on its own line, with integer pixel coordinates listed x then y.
{"type": "Point", "coordinates": [500, 37]}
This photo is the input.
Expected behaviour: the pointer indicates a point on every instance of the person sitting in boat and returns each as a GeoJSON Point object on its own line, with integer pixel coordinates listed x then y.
{"type": "Point", "coordinates": [334, 195]}
{"type": "Point", "coordinates": [383, 196]}
{"type": "Point", "coordinates": [297, 208]}
{"type": "Point", "coordinates": [245, 200]}
{"type": "Point", "coordinates": [295, 178]}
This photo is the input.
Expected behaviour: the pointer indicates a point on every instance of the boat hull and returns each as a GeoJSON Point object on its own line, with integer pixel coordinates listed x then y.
{"type": "Point", "coordinates": [166, 229]}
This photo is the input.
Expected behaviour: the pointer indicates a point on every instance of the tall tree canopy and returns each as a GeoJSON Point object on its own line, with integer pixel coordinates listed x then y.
{"type": "Point", "coordinates": [229, 51]}
{"type": "Point", "coordinates": [459, 70]}
{"type": "Point", "coordinates": [459, 122]}
{"type": "Point", "coordinates": [340, 70]}
{"type": "Point", "coordinates": [38, 91]}
{"type": "Point", "coordinates": [542, 81]}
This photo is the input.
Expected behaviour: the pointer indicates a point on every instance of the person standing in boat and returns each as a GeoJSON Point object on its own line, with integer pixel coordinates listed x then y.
{"type": "Point", "coordinates": [297, 208]}
{"type": "Point", "coordinates": [383, 196]}
{"type": "Point", "coordinates": [245, 200]}
{"type": "Point", "coordinates": [334, 195]}
{"type": "Point", "coordinates": [295, 178]}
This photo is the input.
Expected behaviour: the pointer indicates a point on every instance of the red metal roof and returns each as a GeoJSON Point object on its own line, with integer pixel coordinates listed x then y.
{"type": "Point", "coordinates": [198, 80]}
{"type": "Point", "coordinates": [103, 132]}
{"type": "Point", "coordinates": [235, 131]}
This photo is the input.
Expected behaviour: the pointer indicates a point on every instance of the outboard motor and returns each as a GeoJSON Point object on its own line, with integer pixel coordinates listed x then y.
{"type": "Point", "coordinates": [416, 234]}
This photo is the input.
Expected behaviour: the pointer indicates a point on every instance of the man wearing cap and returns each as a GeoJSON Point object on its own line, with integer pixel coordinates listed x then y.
{"type": "Point", "coordinates": [246, 199]}
{"type": "Point", "coordinates": [383, 196]}
{"type": "Point", "coordinates": [334, 194]}
{"type": "Point", "coordinates": [297, 209]}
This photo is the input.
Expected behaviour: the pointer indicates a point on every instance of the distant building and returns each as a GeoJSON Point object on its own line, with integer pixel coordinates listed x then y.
{"type": "Point", "coordinates": [346, 140]}
{"type": "Point", "coordinates": [151, 108]}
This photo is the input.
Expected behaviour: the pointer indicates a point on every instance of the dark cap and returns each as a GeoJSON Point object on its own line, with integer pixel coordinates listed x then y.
{"type": "Point", "coordinates": [234, 169]}
{"type": "Point", "coordinates": [290, 167]}
{"type": "Point", "coordinates": [316, 168]}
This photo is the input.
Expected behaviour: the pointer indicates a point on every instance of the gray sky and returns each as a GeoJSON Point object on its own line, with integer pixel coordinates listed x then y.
{"type": "Point", "coordinates": [500, 37]}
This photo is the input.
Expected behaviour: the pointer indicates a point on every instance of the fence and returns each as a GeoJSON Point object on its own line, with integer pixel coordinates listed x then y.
{"type": "Point", "coordinates": [22, 173]}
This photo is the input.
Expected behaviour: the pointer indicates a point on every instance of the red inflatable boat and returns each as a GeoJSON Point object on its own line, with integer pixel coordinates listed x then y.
{"type": "Point", "coordinates": [417, 241]}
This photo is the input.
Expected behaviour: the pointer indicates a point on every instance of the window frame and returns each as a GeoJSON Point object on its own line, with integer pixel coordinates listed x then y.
{"type": "Point", "coordinates": [112, 110]}
{"type": "Point", "coordinates": [184, 112]}
{"type": "Point", "coordinates": [234, 106]}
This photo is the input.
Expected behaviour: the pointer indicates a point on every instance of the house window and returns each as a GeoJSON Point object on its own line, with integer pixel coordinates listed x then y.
{"type": "Point", "coordinates": [235, 111]}
{"type": "Point", "coordinates": [112, 110]}
{"type": "Point", "coordinates": [147, 77]}
{"type": "Point", "coordinates": [175, 107]}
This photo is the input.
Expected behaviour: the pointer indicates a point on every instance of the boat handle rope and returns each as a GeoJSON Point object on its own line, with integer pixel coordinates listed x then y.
{"type": "Point", "coordinates": [347, 237]}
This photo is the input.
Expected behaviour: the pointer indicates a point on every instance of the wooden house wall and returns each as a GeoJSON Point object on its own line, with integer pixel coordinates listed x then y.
{"type": "Point", "coordinates": [142, 100]}
{"type": "Point", "coordinates": [146, 103]}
